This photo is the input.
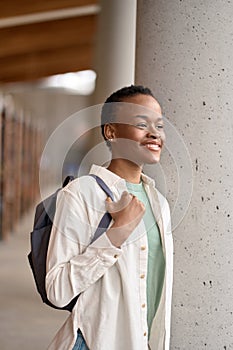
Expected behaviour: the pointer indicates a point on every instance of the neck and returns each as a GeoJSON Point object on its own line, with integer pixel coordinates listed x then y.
{"type": "Point", "coordinates": [127, 170]}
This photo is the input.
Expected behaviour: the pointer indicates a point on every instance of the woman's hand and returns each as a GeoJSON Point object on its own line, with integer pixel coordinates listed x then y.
{"type": "Point", "coordinates": [126, 213]}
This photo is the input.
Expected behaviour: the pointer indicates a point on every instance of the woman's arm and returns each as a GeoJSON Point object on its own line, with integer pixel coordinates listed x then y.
{"type": "Point", "coordinates": [72, 264]}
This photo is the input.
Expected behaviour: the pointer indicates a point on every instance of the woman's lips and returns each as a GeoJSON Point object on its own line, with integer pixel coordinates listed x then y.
{"type": "Point", "coordinates": [152, 146]}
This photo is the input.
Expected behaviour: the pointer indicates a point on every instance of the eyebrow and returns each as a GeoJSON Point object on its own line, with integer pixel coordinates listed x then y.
{"type": "Point", "coordinates": [146, 117]}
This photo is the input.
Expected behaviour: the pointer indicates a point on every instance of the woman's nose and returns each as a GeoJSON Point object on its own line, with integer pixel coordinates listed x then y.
{"type": "Point", "coordinates": [153, 132]}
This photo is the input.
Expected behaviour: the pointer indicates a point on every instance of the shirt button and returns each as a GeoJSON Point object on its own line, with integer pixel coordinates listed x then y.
{"type": "Point", "coordinates": [116, 256]}
{"type": "Point", "coordinates": [145, 334]}
{"type": "Point", "coordinates": [143, 305]}
{"type": "Point", "coordinates": [142, 276]}
{"type": "Point", "coordinates": [143, 247]}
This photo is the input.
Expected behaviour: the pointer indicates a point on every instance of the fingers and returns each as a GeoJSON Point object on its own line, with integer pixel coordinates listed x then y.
{"type": "Point", "coordinates": [124, 201]}
{"type": "Point", "coordinates": [124, 195]}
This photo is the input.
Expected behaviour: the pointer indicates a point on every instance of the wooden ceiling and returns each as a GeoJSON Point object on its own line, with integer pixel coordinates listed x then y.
{"type": "Point", "coordinates": [64, 42]}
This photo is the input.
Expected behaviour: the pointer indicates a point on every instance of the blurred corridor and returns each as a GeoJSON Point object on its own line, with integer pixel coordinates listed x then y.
{"type": "Point", "coordinates": [25, 322]}
{"type": "Point", "coordinates": [40, 41]}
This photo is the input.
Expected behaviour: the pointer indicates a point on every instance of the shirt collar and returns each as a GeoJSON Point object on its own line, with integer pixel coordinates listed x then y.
{"type": "Point", "coordinates": [147, 180]}
{"type": "Point", "coordinates": [111, 179]}
{"type": "Point", "coordinates": [106, 175]}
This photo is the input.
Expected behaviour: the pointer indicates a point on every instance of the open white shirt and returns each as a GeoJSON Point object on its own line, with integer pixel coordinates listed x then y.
{"type": "Point", "coordinates": [111, 309]}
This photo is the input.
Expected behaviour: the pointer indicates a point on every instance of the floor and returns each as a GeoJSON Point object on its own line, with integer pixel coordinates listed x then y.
{"type": "Point", "coordinates": [25, 322]}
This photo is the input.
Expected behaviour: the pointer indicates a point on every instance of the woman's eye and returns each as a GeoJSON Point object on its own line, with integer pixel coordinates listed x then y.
{"type": "Point", "coordinates": [160, 126]}
{"type": "Point", "coordinates": [141, 125]}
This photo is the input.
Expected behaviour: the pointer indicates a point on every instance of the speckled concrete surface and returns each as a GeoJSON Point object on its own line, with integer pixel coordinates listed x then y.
{"type": "Point", "coordinates": [184, 53]}
{"type": "Point", "coordinates": [25, 322]}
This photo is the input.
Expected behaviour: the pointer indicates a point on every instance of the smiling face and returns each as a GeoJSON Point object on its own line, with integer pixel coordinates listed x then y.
{"type": "Point", "coordinates": [137, 133]}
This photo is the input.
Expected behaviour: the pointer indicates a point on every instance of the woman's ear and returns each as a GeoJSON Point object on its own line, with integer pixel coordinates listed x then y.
{"type": "Point", "coordinates": [109, 131]}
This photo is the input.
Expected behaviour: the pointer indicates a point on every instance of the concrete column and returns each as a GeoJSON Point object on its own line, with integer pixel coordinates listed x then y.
{"type": "Point", "coordinates": [184, 53]}
{"type": "Point", "coordinates": [115, 49]}
{"type": "Point", "coordinates": [114, 64]}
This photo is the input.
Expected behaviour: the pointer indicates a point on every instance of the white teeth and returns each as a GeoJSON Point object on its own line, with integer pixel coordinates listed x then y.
{"type": "Point", "coordinates": [152, 146]}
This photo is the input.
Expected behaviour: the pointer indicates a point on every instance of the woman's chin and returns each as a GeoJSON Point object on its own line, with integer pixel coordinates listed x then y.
{"type": "Point", "coordinates": [152, 158]}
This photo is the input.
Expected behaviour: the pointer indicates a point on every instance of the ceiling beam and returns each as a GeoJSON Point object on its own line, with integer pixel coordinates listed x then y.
{"type": "Point", "coordinates": [11, 8]}
{"type": "Point", "coordinates": [47, 35]}
{"type": "Point", "coordinates": [49, 16]}
{"type": "Point", "coordinates": [33, 66]}
{"type": "Point", "coordinates": [41, 49]}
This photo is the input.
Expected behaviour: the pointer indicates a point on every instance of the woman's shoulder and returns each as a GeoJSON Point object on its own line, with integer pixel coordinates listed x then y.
{"type": "Point", "coordinates": [153, 188]}
{"type": "Point", "coordinates": [80, 183]}
{"type": "Point", "coordinates": [160, 195]}
{"type": "Point", "coordinates": [85, 186]}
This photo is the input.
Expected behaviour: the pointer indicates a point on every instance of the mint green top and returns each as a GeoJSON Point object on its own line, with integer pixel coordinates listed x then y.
{"type": "Point", "coordinates": [156, 261]}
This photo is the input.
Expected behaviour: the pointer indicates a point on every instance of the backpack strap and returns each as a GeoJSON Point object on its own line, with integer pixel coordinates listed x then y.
{"type": "Point", "coordinates": [103, 185]}
{"type": "Point", "coordinates": [106, 219]}
{"type": "Point", "coordinates": [68, 179]}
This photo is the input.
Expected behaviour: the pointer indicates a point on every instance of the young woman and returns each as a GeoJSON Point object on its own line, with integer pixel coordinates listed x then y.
{"type": "Point", "coordinates": [124, 277]}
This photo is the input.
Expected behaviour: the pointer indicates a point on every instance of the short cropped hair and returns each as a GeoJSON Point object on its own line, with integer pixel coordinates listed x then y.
{"type": "Point", "coordinates": [109, 107]}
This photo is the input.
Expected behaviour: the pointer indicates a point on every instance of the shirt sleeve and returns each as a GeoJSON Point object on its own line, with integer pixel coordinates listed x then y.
{"type": "Point", "coordinates": [72, 263]}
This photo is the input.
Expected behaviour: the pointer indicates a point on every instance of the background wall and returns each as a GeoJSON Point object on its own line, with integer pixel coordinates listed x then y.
{"type": "Point", "coordinates": [184, 53]}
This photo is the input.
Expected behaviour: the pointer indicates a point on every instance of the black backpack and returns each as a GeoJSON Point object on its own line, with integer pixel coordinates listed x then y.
{"type": "Point", "coordinates": [40, 235]}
